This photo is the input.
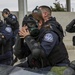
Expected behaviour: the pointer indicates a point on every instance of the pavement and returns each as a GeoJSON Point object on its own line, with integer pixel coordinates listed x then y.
{"type": "Point", "coordinates": [71, 54]}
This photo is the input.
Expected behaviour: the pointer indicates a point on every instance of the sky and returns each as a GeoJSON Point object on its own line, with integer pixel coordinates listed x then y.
{"type": "Point", "coordinates": [13, 4]}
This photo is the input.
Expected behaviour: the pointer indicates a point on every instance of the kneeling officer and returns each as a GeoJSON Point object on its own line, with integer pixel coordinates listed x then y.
{"type": "Point", "coordinates": [46, 49]}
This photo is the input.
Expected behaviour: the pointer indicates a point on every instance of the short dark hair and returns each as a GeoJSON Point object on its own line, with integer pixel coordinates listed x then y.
{"type": "Point", "coordinates": [37, 14]}
{"type": "Point", "coordinates": [46, 8]}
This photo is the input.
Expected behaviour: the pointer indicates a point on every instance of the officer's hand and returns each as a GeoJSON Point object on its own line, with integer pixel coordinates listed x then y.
{"type": "Point", "coordinates": [5, 15]}
{"type": "Point", "coordinates": [24, 32]}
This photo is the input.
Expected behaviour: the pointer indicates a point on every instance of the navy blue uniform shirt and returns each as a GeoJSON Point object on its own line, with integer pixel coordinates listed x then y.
{"type": "Point", "coordinates": [7, 33]}
{"type": "Point", "coordinates": [49, 41]}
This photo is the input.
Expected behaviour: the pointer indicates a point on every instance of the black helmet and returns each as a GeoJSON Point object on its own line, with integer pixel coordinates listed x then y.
{"type": "Point", "coordinates": [6, 11]}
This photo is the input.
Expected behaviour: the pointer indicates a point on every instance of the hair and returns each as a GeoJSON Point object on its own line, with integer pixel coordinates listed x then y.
{"type": "Point", "coordinates": [37, 14]}
{"type": "Point", "coordinates": [7, 11]}
{"type": "Point", "coordinates": [45, 8]}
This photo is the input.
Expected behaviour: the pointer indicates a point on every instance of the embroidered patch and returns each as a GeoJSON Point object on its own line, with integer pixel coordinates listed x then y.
{"type": "Point", "coordinates": [13, 17]}
{"type": "Point", "coordinates": [48, 37]}
{"type": "Point", "coordinates": [8, 29]}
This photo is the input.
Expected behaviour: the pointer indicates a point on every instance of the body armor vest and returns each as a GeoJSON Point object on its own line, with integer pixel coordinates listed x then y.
{"type": "Point", "coordinates": [59, 52]}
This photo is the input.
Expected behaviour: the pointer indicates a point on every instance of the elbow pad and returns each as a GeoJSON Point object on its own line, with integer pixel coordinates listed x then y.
{"type": "Point", "coordinates": [33, 46]}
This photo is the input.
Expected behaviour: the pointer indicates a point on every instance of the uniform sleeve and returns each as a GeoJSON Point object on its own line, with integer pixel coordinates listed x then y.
{"type": "Point", "coordinates": [49, 41]}
{"type": "Point", "coordinates": [33, 46]}
{"type": "Point", "coordinates": [7, 32]}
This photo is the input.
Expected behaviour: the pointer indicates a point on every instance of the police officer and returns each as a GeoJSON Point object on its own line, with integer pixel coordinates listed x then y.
{"type": "Point", "coordinates": [50, 51]}
{"type": "Point", "coordinates": [11, 20]}
{"type": "Point", "coordinates": [5, 44]}
{"type": "Point", "coordinates": [47, 16]}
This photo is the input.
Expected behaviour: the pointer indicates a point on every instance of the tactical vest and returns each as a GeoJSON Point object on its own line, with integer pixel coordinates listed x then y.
{"type": "Point", "coordinates": [59, 53]}
{"type": "Point", "coordinates": [54, 24]}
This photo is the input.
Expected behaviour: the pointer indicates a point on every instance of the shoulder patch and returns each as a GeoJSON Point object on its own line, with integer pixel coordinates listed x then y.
{"type": "Point", "coordinates": [8, 29]}
{"type": "Point", "coordinates": [48, 37]}
{"type": "Point", "coordinates": [13, 16]}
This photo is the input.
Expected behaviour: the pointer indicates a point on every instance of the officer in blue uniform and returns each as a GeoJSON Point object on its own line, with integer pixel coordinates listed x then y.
{"type": "Point", "coordinates": [46, 49]}
{"type": "Point", "coordinates": [5, 44]}
{"type": "Point", "coordinates": [11, 20]}
{"type": "Point", "coordinates": [48, 18]}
